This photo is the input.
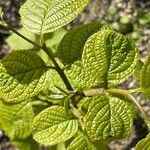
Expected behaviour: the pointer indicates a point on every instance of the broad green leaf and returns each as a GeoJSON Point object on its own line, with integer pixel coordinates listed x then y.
{"type": "Point", "coordinates": [144, 144]}
{"type": "Point", "coordinates": [109, 57]}
{"type": "Point", "coordinates": [71, 46]}
{"type": "Point", "coordinates": [22, 75]}
{"type": "Point", "coordinates": [81, 142]}
{"type": "Point", "coordinates": [16, 119]}
{"type": "Point", "coordinates": [109, 117]}
{"type": "Point", "coordinates": [43, 16]}
{"type": "Point", "coordinates": [54, 125]}
{"type": "Point", "coordinates": [145, 78]}
{"type": "Point", "coordinates": [17, 43]}
{"type": "Point", "coordinates": [26, 144]}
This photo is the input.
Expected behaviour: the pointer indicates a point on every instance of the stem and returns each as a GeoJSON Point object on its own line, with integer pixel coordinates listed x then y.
{"type": "Point", "coordinates": [94, 92]}
{"type": "Point", "coordinates": [137, 90]}
{"type": "Point", "coordinates": [58, 69]}
{"type": "Point", "coordinates": [126, 93]}
{"type": "Point", "coordinates": [23, 37]}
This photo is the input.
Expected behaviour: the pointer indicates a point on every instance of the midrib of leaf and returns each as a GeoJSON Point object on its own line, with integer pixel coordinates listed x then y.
{"type": "Point", "coordinates": [109, 56]}
{"type": "Point", "coordinates": [54, 126]}
{"type": "Point", "coordinates": [64, 130]}
{"type": "Point", "coordinates": [43, 21]}
{"type": "Point", "coordinates": [46, 15]}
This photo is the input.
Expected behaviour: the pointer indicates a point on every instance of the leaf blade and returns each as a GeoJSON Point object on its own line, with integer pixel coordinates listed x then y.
{"type": "Point", "coordinates": [106, 120]}
{"type": "Point", "coordinates": [113, 55]}
{"type": "Point", "coordinates": [58, 127]}
{"type": "Point", "coordinates": [45, 16]}
{"type": "Point", "coordinates": [22, 75]}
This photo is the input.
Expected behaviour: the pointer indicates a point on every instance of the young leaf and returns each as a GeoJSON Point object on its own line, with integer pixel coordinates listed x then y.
{"type": "Point", "coordinates": [109, 57]}
{"type": "Point", "coordinates": [22, 75]}
{"type": "Point", "coordinates": [108, 117]}
{"type": "Point", "coordinates": [54, 125]}
{"type": "Point", "coordinates": [144, 144]}
{"type": "Point", "coordinates": [17, 43]}
{"type": "Point", "coordinates": [16, 119]}
{"type": "Point", "coordinates": [45, 16]}
{"type": "Point", "coordinates": [145, 74]}
{"type": "Point", "coordinates": [71, 46]}
{"type": "Point", "coordinates": [81, 142]}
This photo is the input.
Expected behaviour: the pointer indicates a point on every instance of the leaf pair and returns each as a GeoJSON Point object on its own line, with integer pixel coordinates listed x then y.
{"type": "Point", "coordinates": [108, 117]}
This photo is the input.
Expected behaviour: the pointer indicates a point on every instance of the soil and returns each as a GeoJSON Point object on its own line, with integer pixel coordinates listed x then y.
{"type": "Point", "coordinates": [96, 11]}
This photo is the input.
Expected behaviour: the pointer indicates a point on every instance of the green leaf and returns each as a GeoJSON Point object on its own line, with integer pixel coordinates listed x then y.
{"type": "Point", "coordinates": [17, 43]}
{"type": "Point", "coordinates": [144, 144]}
{"type": "Point", "coordinates": [22, 75]}
{"type": "Point", "coordinates": [109, 117]}
{"type": "Point", "coordinates": [109, 57]}
{"type": "Point", "coordinates": [145, 74]}
{"type": "Point", "coordinates": [45, 16]}
{"type": "Point", "coordinates": [16, 119]}
{"type": "Point", "coordinates": [81, 142]}
{"type": "Point", "coordinates": [54, 125]}
{"type": "Point", "coordinates": [71, 46]}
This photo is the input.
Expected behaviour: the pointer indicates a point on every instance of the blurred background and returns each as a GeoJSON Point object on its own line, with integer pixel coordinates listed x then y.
{"type": "Point", "coordinates": [130, 17]}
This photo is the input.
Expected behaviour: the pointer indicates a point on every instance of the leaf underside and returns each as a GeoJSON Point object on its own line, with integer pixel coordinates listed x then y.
{"type": "Point", "coordinates": [45, 16]}
{"type": "Point", "coordinates": [53, 126]}
{"type": "Point", "coordinates": [22, 75]}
